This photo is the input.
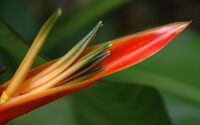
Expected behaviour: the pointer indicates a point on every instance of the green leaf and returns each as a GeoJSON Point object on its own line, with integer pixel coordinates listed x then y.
{"type": "Point", "coordinates": [13, 45]}
{"type": "Point", "coordinates": [84, 16]}
{"type": "Point", "coordinates": [174, 70]}
{"type": "Point", "coordinates": [20, 17]}
{"type": "Point", "coordinates": [108, 103]}
{"type": "Point", "coordinates": [180, 111]}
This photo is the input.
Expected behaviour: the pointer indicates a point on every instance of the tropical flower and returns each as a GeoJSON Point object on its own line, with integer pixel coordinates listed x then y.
{"type": "Point", "coordinates": [78, 68]}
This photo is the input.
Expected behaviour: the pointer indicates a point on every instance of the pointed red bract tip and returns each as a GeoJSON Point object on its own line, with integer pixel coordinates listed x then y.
{"type": "Point", "coordinates": [132, 49]}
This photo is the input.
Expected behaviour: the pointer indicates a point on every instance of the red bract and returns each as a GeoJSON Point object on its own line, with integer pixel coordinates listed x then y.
{"type": "Point", "coordinates": [135, 48]}
{"type": "Point", "coordinates": [125, 52]}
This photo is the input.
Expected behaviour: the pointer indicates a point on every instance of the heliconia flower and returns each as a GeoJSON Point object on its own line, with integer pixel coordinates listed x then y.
{"type": "Point", "coordinates": [77, 69]}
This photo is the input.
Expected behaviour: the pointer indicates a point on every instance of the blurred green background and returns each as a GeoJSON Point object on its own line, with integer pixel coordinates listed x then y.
{"type": "Point", "coordinates": [164, 89]}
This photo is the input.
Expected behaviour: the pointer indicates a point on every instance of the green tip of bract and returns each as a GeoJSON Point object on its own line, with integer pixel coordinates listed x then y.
{"type": "Point", "coordinates": [109, 43]}
{"type": "Point", "coordinates": [100, 23]}
{"type": "Point", "coordinates": [59, 11]}
{"type": "Point", "coordinates": [89, 37]}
